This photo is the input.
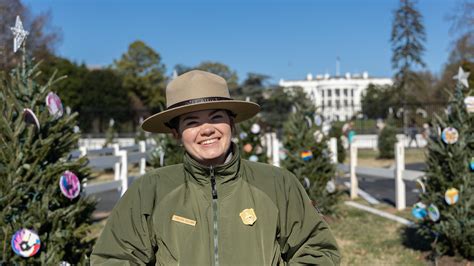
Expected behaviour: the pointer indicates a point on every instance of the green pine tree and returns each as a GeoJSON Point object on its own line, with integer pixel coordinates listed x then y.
{"type": "Point", "coordinates": [168, 151]}
{"type": "Point", "coordinates": [250, 143]}
{"type": "Point", "coordinates": [110, 134]}
{"type": "Point", "coordinates": [448, 166]}
{"type": "Point", "coordinates": [299, 137]}
{"type": "Point", "coordinates": [387, 139]}
{"type": "Point", "coordinates": [32, 161]}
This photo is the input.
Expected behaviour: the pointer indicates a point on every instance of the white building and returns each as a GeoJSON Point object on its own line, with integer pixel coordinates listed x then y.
{"type": "Point", "coordinates": [337, 98]}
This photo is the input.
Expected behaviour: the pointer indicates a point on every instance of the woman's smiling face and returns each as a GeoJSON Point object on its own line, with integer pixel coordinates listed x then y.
{"type": "Point", "coordinates": [206, 135]}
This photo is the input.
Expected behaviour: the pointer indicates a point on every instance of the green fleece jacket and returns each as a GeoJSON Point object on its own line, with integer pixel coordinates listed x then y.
{"type": "Point", "coordinates": [239, 213]}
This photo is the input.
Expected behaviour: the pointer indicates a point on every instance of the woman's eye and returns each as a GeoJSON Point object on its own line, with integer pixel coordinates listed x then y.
{"type": "Point", "coordinates": [217, 117]}
{"type": "Point", "coordinates": [191, 123]}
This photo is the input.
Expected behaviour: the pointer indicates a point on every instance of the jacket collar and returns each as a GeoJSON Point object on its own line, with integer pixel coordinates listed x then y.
{"type": "Point", "coordinates": [224, 173]}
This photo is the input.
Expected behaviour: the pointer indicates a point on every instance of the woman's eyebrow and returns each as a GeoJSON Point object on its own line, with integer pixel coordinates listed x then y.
{"type": "Point", "coordinates": [189, 118]}
{"type": "Point", "coordinates": [213, 112]}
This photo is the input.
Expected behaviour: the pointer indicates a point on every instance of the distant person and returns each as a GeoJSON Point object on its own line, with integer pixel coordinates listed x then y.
{"type": "Point", "coordinates": [412, 132]}
{"type": "Point", "coordinates": [215, 208]}
{"type": "Point", "coordinates": [349, 132]}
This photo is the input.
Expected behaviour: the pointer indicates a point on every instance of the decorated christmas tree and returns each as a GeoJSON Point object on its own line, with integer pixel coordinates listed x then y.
{"type": "Point", "coordinates": [250, 136]}
{"type": "Point", "coordinates": [446, 209]}
{"type": "Point", "coordinates": [44, 219]}
{"type": "Point", "coordinates": [168, 151]}
{"type": "Point", "coordinates": [387, 139]}
{"type": "Point", "coordinates": [308, 157]}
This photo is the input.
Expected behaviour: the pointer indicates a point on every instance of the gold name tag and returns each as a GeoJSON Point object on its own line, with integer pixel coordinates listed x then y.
{"type": "Point", "coordinates": [183, 220]}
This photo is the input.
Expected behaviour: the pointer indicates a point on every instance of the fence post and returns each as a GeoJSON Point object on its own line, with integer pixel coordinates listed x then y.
{"type": "Point", "coordinates": [123, 170]}
{"type": "Point", "coordinates": [142, 146]}
{"type": "Point", "coordinates": [333, 149]}
{"type": "Point", "coordinates": [400, 200]}
{"type": "Point", "coordinates": [83, 150]}
{"type": "Point", "coordinates": [116, 148]}
{"type": "Point", "coordinates": [275, 150]}
{"type": "Point", "coordinates": [353, 164]}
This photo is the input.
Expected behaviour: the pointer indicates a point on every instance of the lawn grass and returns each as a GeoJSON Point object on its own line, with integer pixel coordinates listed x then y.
{"type": "Point", "coordinates": [367, 239]}
{"type": "Point", "coordinates": [368, 158]}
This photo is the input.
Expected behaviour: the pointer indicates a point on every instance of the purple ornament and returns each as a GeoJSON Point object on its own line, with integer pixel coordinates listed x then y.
{"type": "Point", "coordinates": [30, 117]}
{"type": "Point", "coordinates": [70, 185]}
{"type": "Point", "coordinates": [25, 243]}
{"type": "Point", "coordinates": [55, 107]}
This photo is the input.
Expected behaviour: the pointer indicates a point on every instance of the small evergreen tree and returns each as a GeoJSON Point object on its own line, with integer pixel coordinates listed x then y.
{"type": "Point", "coordinates": [449, 167]}
{"type": "Point", "coordinates": [110, 133]}
{"type": "Point", "coordinates": [32, 160]}
{"type": "Point", "coordinates": [168, 151]}
{"type": "Point", "coordinates": [387, 139]}
{"type": "Point", "coordinates": [308, 157]}
{"type": "Point", "coordinates": [249, 137]}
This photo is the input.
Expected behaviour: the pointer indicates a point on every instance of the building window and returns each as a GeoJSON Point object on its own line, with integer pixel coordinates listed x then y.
{"type": "Point", "coordinates": [322, 93]}
{"type": "Point", "coordinates": [338, 104]}
{"type": "Point", "coordinates": [329, 103]}
{"type": "Point", "coordinates": [352, 103]}
{"type": "Point", "coordinates": [345, 92]}
{"type": "Point", "coordinates": [337, 92]}
{"type": "Point", "coordinates": [345, 103]}
{"type": "Point", "coordinates": [329, 93]}
{"type": "Point", "coordinates": [352, 92]}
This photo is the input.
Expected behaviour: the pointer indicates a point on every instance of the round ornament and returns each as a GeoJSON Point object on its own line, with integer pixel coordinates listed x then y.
{"type": "Point", "coordinates": [419, 210]}
{"type": "Point", "coordinates": [253, 158]}
{"type": "Point", "coordinates": [30, 118]}
{"type": "Point", "coordinates": [318, 136]}
{"type": "Point", "coordinates": [306, 155]}
{"type": "Point", "coordinates": [472, 164]}
{"type": "Point", "coordinates": [255, 129]}
{"type": "Point", "coordinates": [469, 102]}
{"type": "Point", "coordinates": [420, 185]}
{"type": "Point", "coordinates": [243, 135]}
{"type": "Point", "coordinates": [69, 185]}
{"type": "Point", "coordinates": [451, 196]}
{"type": "Point", "coordinates": [306, 183]}
{"type": "Point", "coordinates": [433, 212]}
{"type": "Point", "coordinates": [248, 148]}
{"type": "Point", "coordinates": [55, 107]}
{"type": "Point", "coordinates": [282, 154]}
{"type": "Point", "coordinates": [450, 135]}
{"type": "Point", "coordinates": [258, 150]}
{"type": "Point", "coordinates": [331, 186]}
{"type": "Point", "coordinates": [318, 120]}
{"type": "Point", "coordinates": [25, 243]}
{"type": "Point", "coordinates": [309, 122]}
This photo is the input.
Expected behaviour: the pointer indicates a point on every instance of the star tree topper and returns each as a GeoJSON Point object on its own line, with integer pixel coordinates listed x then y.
{"type": "Point", "coordinates": [462, 77]}
{"type": "Point", "coordinates": [20, 34]}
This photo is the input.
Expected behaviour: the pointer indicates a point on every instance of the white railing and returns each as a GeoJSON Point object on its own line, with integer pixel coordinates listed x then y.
{"type": "Point", "coordinates": [117, 158]}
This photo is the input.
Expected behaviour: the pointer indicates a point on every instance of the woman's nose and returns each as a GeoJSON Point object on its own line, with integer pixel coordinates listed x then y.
{"type": "Point", "coordinates": [207, 129]}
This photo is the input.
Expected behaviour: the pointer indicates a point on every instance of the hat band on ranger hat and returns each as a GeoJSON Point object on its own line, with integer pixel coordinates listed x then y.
{"type": "Point", "coordinates": [198, 100]}
{"type": "Point", "coordinates": [194, 91]}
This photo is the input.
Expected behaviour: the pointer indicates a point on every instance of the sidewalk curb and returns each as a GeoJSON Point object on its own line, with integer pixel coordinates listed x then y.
{"type": "Point", "coordinates": [380, 213]}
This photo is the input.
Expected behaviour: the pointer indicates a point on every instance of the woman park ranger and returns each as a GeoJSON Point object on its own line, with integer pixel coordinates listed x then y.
{"type": "Point", "coordinates": [215, 208]}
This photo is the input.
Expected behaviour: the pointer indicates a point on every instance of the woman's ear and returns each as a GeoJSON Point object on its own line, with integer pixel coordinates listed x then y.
{"type": "Point", "coordinates": [176, 134]}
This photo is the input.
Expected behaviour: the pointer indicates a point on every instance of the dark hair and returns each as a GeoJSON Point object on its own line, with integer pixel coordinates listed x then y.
{"type": "Point", "coordinates": [174, 123]}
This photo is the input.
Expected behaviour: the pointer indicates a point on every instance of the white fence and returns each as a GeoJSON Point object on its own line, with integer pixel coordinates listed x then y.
{"type": "Point", "coordinates": [117, 158]}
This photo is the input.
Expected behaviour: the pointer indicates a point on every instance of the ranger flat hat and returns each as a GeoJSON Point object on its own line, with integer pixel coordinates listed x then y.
{"type": "Point", "coordinates": [197, 90]}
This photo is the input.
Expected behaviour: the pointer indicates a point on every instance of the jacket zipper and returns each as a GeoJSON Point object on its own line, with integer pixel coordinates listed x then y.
{"type": "Point", "coordinates": [214, 210]}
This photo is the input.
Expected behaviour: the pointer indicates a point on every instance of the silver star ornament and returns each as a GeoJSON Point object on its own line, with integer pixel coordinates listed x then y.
{"type": "Point", "coordinates": [19, 33]}
{"type": "Point", "coordinates": [462, 77]}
